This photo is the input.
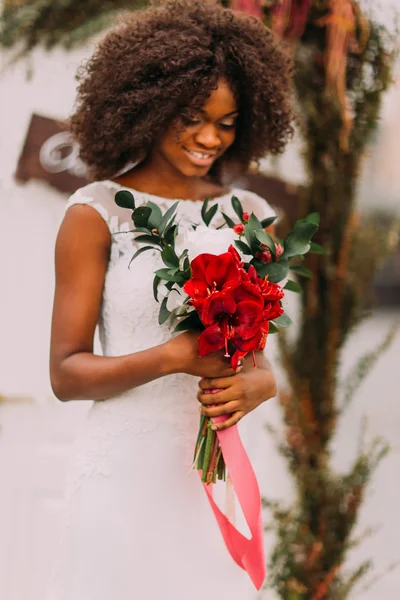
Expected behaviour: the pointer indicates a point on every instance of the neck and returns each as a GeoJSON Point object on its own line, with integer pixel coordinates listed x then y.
{"type": "Point", "coordinates": [155, 176]}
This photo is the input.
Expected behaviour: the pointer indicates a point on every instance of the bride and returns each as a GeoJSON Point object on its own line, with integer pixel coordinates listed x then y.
{"type": "Point", "coordinates": [181, 91]}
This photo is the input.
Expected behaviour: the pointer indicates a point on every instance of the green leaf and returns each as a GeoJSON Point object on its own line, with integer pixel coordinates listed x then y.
{"type": "Point", "coordinates": [141, 216]}
{"type": "Point", "coordinates": [156, 281]}
{"type": "Point", "coordinates": [312, 218]}
{"type": "Point", "coordinates": [267, 222]}
{"type": "Point", "coordinates": [156, 215]}
{"type": "Point", "coordinates": [243, 247]}
{"type": "Point", "coordinates": [298, 240]}
{"type": "Point", "coordinates": [169, 215]}
{"type": "Point", "coordinates": [140, 251]}
{"type": "Point", "coordinates": [169, 257]}
{"type": "Point", "coordinates": [237, 207]}
{"type": "Point", "coordinates": [228, 220]}
{"type": "Point", "coordinates": [165, 274]}
{"type": "Point", "coordinates": [204, 208]}
{"type": "Point", "coordinates": [283, 321]}
{"type": "Point", "coordinates": [164, 312]}
{"type": "Point", "coordinates": [317, 249]}
{"type": "Point", "coordinates": [148, 238]}
{"type": "Point", "coordinates": [170, 234]}
{"type": "Point", "coordinates": [292, 286]}
{"type": "Point", "coordinates": [267, 240]}
{"type": "Point", "coordinates": [254, 222]}
{"type": "Point", "coordinates": [210, 214]}
{"type": "Point", "coordinates": [272, 328]}
{"type": "Point", "coordinates": [302, 271]}
{"type": "Point", "coordinates": [125, 199]}
{"type": "Point", "coordinates": [192, 322]}
{"type": "Point", "coordinates": [276, 271]}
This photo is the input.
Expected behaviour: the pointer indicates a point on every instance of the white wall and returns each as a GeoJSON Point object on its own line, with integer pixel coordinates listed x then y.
{"type": "Point", "coordinates": [29, 218]}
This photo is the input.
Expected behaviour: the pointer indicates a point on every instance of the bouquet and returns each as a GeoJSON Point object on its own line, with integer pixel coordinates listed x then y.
{"type": "Point", "coordinates": [235, 300]}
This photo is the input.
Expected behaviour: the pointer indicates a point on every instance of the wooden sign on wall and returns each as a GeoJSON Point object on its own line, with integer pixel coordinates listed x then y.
{"type": "Point", "coordinates": [50, 154]}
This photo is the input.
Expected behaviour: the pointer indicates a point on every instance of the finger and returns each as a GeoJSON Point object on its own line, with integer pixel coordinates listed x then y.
{"type": "Point", "coordinates": [230, 422]}
{"type": "Point", "coordinates": [217, 382]}
{"type": "Point", "coordinates": [216, 397]}
{"type": "Point", "coordinates": [223, 409]}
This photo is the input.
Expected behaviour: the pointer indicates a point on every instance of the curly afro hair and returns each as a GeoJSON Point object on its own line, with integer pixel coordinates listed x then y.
{"type": "Point", "coordinates": [162, 63]}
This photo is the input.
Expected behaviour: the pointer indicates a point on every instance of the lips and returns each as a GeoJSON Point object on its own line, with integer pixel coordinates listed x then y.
{"type": "Point", "coordinates": [200, 158]}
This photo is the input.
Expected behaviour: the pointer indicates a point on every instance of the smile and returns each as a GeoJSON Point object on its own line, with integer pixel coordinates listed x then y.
{"type": "Point", "coordinates": [200, 158]}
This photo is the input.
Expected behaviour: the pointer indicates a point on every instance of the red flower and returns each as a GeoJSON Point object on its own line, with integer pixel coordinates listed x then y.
{"type": "Point", "coordinates": [235, 306]}
{"type": "Point", "coordinates": [239, 228]}
{"type": "Point", "coordinates": [266, 256]}
{"type": "Point", "coordinates": [209, 274]}
{"type": "Point", "coordinates": [272, 311]}
{"type": "Point", "coordinates": [245, 216]}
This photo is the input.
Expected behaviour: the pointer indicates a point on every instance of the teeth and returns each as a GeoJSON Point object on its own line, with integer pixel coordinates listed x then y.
{"type": "Point", "coordinates": [200, 155]}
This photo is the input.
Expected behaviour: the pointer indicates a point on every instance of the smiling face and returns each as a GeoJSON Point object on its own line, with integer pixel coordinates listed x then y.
{"type": "Point", "coordinates": [193, 151]}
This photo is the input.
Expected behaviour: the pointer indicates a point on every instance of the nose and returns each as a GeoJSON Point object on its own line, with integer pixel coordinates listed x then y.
{"type": "Point", "coordinates": [208, 136]}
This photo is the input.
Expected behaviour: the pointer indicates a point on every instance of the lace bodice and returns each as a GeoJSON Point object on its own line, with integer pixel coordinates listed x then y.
{"type": "Point", "coordinates": [129, 314]}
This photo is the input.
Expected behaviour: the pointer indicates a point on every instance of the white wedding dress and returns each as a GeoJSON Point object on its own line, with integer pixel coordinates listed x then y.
{"type": "Point", "coordinates": [137, 527]}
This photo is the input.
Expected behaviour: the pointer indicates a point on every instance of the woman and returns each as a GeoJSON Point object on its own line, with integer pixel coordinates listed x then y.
{"type": "Point", "coordinates": [179, 92]}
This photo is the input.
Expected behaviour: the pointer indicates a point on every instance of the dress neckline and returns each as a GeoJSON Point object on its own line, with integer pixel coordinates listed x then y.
{"type": "Point", "coordinates": [162, 198]}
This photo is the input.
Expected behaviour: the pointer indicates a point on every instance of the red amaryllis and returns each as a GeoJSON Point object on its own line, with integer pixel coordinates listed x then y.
{"type": "Point", "coordinates": [234, 305]}
{"type": "Point", "coordinates": [209, 274]}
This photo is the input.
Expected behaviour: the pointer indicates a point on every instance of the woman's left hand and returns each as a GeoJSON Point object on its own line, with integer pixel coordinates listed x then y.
{"type": "Point", "coordinates": [240, 393]}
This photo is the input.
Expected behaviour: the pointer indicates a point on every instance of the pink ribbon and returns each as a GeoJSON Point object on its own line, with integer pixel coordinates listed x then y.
{"type": "Point", "coordinates": [247, 553]}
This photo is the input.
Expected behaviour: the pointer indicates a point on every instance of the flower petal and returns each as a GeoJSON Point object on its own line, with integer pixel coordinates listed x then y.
{"type": "Point", "coordinates": [247, 319]}
{"type": "Point", "coordinates": [211, 340]}
{"type": "Point", "coordinates": [196, 288]}
{"type": "Point", "coordinates": [247, 291]}
{"type": "Point", "coordinates": [249, 345]}
{"type": "Point", "coordinates": [217, 305]}
{"type": "Point", "coordinates": [199, 265]}
{"type": "Point", "coordinates": [273, 310]}
{"type": "Point", "coordinates": [221, 269]}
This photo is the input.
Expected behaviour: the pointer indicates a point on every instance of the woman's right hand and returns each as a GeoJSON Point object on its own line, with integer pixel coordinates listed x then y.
{"type": "Point", "coordinates": [183, 357]}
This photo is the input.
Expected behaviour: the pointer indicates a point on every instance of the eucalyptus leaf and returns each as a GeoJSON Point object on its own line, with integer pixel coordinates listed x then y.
{"type": "Point", "coordinates": [237, 207]}
{"type": "Point", "coordinates": [156, 282]}
{"type": "Point", "coordinates": [148, 238]}
{"type": "Point", "coordinates": [276, 271]}
{"type": "Point", "coordinates": [165, 274]}
{"type": "Point", "coordinates": [267, 240]}
{"type": "Point", "coordinates": [317, 249]}
{"type": "Point", "coordinates": [228, 220]}
{"type": "Point", "coordinates": [125, 199]}
{"type": "Point", "coordinates": [170, 234]}
{"type": "Point", "coordinates": [140, 251]}
{"type": "Point", "coordinates": [164, 312]}
{"type": "Point", "coordinates": [204, 208]}
{"type": "Point", "coordinates": [210, 214]}
{"type": "Point", "coordinates": [302, 271]}
{"type": "Point", "coordinates": [156, 215]}
{"type": "Point", "coordinates": [292, 286]}
{"type": "Point", "coordinates": [283, 321]}
{"type": "Point", "coordinates": [313, 218]}
{"type": "Point", "coordinates": [298, 240]}
{"type": "Point", "coordinates": [254, 222]}
{"type": "Point", "coordinates": [243, 247]}
{"type": "Point", "coordinates": [272, 328]}
{"type": "Point", "coordinates": [192, 322]}
{"type": "Point", "coordinates": [169, 214]}
{"type": "Point", "coordinates": [169, 257]}
{"type": "Point", "coordinates": [267, 222]}
{"type": "Point", "coordinates": [141, 216]}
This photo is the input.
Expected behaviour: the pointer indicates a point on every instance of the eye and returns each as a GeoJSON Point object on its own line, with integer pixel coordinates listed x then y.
{"type": "Point", "coordinates": [228, 126]}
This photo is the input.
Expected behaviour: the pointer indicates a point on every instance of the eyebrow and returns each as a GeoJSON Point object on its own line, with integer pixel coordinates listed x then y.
{"type": "Point", "coordinates": [234, 112]}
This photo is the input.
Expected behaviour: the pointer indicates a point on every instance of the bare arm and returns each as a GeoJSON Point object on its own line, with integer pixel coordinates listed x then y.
{"type": "Point", "coordinates": [81, 259]}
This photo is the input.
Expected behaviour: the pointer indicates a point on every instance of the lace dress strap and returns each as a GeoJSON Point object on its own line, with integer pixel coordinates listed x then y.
{"type": "Point", "coordinates": [101, 199]}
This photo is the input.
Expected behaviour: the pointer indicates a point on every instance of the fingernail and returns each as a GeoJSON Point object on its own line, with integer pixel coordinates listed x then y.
{"type": "Point", "coordinates": [214, 427]}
